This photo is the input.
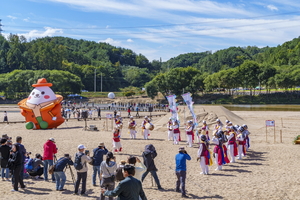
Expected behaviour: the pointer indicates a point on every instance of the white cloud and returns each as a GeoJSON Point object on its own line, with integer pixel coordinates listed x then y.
{"type": "Point", "coordinates": [11, 17]}
{"type": "Point", "coordinates": [112, 42]}
{"type": "Point", "coordinates": [38, 34]}
{"type": "Point", "coordinates": [272, 7]}
{"type": "Point", "coordinates": [26, 19]}
{"type": "Point", "coordinates": [129, 40]}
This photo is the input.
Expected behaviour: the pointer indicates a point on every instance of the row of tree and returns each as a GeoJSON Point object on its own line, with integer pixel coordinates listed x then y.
{"type": "Point", "coordinates": [249, 75]}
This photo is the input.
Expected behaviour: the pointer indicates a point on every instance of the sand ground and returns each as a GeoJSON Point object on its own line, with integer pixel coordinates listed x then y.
{"type": "Point", "coordinates": [269, 171]}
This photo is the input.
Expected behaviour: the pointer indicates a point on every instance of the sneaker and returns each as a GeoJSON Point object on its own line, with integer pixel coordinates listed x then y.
{"type": "Point", "coordinates": [84, 195]}
{"type": "Point", "coordinates": [62, 189]}
{"type": "Point", "coordinates": [160, 188]}
{"type": "Point", "coordinates": [94, 185]}
{"type": "Point", "coordinates": [13, 190]}
{"type": "Point", "coordinates": [184, 196]}
{"type": "Point", "coordinates": [176, 190]}
{"type": "Point", "coordinates": [75, 193]}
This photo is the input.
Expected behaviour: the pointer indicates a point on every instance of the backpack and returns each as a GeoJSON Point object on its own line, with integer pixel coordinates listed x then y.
{"type": "Point", "coordinates": [77, 163]}
{"type": "Point", "coordinates": [119, 174]}
{"type": "Point", "coordinates": [29, 165]}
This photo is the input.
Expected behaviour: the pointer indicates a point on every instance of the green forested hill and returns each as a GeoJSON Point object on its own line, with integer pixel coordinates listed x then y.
{"type": "Point", "coordinates": [119, 67]}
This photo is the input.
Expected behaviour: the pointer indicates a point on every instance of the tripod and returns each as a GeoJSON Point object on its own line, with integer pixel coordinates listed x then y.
{"type": "Point", "coordinates": [72, 174]}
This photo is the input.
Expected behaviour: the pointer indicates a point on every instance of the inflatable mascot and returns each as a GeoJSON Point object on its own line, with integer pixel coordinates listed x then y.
{"type": "Point", "coordinates": [42, 108]}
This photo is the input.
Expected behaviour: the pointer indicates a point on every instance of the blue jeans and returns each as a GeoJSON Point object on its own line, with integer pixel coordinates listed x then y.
{"type": "Point", "coordinates": [96, 171]}
{"type": "Point", "coordinates": [153, 173]}
{"type": "Point", "coordinates": [6, 173]}
{"type": "Point", "coordinates": [181, 176]}
{"type": "Point", "coordinates": [60, 178]}
{"type": "Point", "coordinates": [46, 163]}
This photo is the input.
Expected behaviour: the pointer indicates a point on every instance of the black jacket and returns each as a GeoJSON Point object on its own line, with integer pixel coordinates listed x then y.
{"type": "Point", "coordinates": [148, 160]}
{"type": "Point", "coordinates": [5, 151]}
{"type": "Point", "coordinates": [15, 159]}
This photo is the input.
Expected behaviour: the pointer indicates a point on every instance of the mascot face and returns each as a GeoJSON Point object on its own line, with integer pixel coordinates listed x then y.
{"type": "Point", "coordinates": [41, 95]}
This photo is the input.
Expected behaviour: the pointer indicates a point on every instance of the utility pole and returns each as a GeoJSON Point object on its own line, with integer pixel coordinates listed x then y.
{"type": "Point", "coordinates": [95, 81]}
{"type": "Point", "coordinates": [101, 81]}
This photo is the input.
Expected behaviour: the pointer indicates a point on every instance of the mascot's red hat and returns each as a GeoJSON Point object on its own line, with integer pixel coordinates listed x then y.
{"type": "Point", "coordinates": [42, 82]}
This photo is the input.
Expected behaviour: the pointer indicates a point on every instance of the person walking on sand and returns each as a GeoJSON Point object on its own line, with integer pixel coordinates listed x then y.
{"type": "Point", "coordinates": [148, 155]}
{"type": "Point", "coordinates": [180, 172]}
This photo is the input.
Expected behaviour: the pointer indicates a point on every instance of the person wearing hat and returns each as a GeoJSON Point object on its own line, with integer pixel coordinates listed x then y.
{"type": "Point", "coordinates": [204, 130]}
{"type": "Point", "coordinates": [5, 117]}
{"type": "Point", "coordinates": [219, 125]}
{"type": "Point", "coordinates": [98, 154]}
{"type": "Point", "coordinates": [176, 132]}
{"type": "Point", "coordinates": [42, 108]}
{"type": "Point", "coordinates": [145, 131]}
{"type": "Point", "coordinates": [241, 143]}
{"type": "Point", "coordinates": [170, 129]}
{"type": "Point", "coordinates": [4, 156]}
{"type": "Point", "coordinates": [82, 173]}
{"type": "Point", "coordinates": [232, 146]}
{"type": "Point", "coordinates": [116, 139]}
{"type": "Point", "coordinates": [59, 173]}
{"type": "Point", "coordinates": [48, 156]}
{"type": "Point", "coordinates": [132, 125]}
{"type": "Point", "coordinates": [119, 123]}
{"type": "Point", "coordinates": [218, 150]}
{"type": "Point", "coordinates": [190, 133]}
{"type": "Point", "coordinates": [246, 134]}
{"type": "Point", "coordinates": [203, 155]}
{"type": "Point", "coordinates": [180, 172]}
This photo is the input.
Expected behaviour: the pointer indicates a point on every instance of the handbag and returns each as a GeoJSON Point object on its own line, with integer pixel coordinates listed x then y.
{"type": "Point", "coordinates": [112, 177]}
{"type": "Point", "coordinates": [92, 158]}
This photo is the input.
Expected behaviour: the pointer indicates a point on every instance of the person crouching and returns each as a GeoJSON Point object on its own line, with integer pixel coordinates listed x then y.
{"type": "Point", "coordinates": [37, 169]}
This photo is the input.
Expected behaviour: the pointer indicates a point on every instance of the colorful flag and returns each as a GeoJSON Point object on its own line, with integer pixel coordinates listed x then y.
{"type": "Point", "coordinates": [189, 102]}
{"type": "Point", "coordinates": [173, 106]}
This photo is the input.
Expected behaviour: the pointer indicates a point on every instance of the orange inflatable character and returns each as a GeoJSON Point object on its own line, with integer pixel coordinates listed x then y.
{"type": "Point", "coordinates": [42, 108]}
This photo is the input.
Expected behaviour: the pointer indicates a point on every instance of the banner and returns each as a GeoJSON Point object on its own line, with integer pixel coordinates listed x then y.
{"type": "Point", "coordinates": [173, 107]}
{"type": "Point", "coordinates": [189, 102]}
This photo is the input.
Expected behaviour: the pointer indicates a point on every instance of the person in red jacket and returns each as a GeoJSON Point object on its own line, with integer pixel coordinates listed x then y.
{"type": "Point", "coordinates": [49, 151]}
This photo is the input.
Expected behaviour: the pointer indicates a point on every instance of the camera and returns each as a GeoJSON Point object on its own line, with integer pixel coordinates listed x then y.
{"type": "Point", "coordinates": [87, 152]}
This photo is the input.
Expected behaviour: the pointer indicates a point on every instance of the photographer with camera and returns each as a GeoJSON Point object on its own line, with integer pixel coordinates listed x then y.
{"type": "Point", "coordinates": [180, 159]}
{"type": "Point", "coordinates": [60, 176]}
{"type": "Point", "coordinates": [49, 151]}
{"type": "Point", "coordinates": [80, 164]}
{"type": "Point", "coordinates": [107, 172]}
{"type": "Point", "coordinates": [98, 154]}
{"type": "Point", "coordinates": [37, 170]}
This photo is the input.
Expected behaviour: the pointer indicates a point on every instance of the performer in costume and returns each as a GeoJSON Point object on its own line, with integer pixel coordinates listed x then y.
{"type": "Point", "coordinates": [219, 125]}
{"type": "Point", "coordinates": [145, 131]}
{"type": "Point", "coordinates": [118, 122]}
{"type": "Point", "coordinates": [224, 145]}
{"type": "Point", "coordinates": [232, 146]}
{"type": "Point", "coordinates": [203, 155]}
{"type": "Point", "coordinates": [241, 141]}
{"type": "Point", "coordinates": [205, 129]}
{"type": "Point", "coordinates": [132, 125]}
{"type": "Point", "coordinates": [176, 133]}
{"type": "Point", "coordinates": [246, 134]}
{"type": "Point", "coordinates": [218, 150]}
{"type": "Point", "coordinates": [116, 139]}
{"type": "Point", "coordinates": [170, 129]}
{"type": "Point", "coordinates": [228, 124]}
{"type": "Point", "coordinates": [190, 133]}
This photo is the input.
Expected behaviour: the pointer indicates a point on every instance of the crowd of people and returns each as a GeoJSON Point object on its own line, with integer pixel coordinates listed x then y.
{"type": "Point", "coordinates": [230, 141]}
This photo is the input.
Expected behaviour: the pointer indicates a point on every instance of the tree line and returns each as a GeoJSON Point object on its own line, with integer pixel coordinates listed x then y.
{"type": "Point", "coordinates": [83, 61]}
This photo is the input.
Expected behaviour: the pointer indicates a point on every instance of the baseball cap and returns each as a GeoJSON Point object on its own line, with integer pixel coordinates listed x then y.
{"type": "Point", "coordinates": [81, 146]}
{"type": "Point", "coordinates": [52, 139]}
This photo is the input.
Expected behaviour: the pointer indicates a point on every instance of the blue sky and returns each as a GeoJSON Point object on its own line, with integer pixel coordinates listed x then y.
{"type": "Point", "coordinates": [157, 28]}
